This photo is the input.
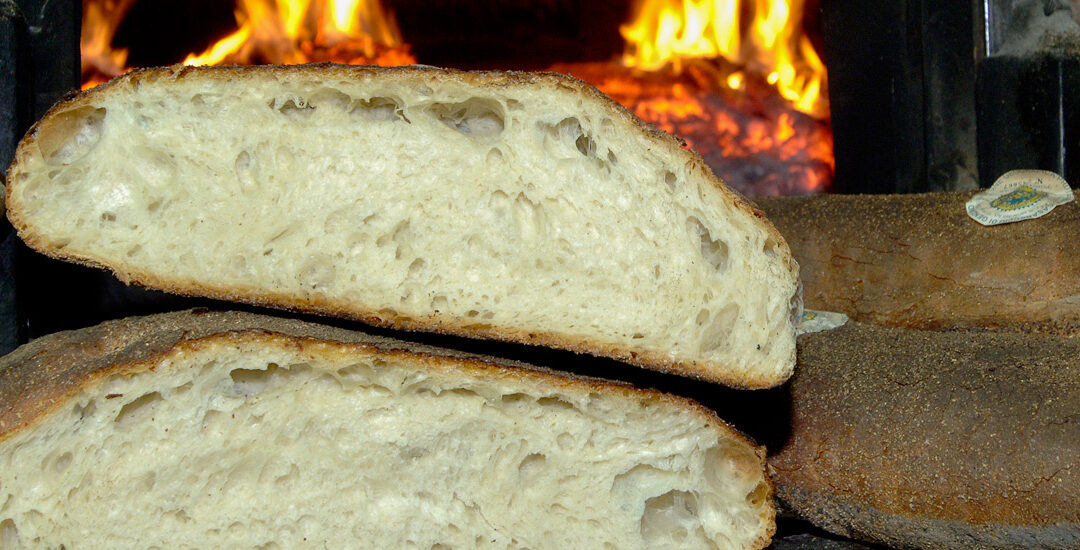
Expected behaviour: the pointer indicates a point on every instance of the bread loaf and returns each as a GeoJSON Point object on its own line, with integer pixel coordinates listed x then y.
{"type": "Point", "coordinates": [524, 207]}
{"type": "Point", "coordinates": [935, 439]}
{"type": "Point", "coordinates": [229, 430]}
{"type": "Point", "coordinates": [919, 261]}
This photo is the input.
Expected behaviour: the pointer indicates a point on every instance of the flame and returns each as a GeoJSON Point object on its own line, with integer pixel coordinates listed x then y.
{"type": "Point", "coordinates": [670, 32]}
{"type": "Point", "coordinates": [298, 31]}
{"type": "Point", "coordinates": [100, 21]}
{"type": "Point", "coordinates": [268, 31]}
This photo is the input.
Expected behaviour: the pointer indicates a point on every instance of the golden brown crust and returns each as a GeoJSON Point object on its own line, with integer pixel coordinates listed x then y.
{"type": "Point", "coordinates": [927, 439]}
{"type": "Point", "coordinates": [919, 261]}
{"type": "Point", "coordinates": [418, 75]}
{"type": "Point", "coordinates": [37, 378]}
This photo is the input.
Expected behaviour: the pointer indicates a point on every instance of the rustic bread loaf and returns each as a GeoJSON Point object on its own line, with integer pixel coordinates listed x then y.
{"type": "Point", "coordinates": [229, 430]}
{"type": "Point", "coordinates": [919, 261]}
{"type": "Point", "coordinates": [935, 439]}
{"type": "Point", "coordinates": [525, 207]}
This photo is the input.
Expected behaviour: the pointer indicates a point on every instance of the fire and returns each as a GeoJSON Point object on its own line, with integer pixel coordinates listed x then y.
{"type": "Point", "coordinates": [670, 32]}
{"type": "Point", "coordinates": [100, 21]}
{"type": "Point", "coordinates": [299, 31]}
{"type": "Point", "coordinates": [269, 31]}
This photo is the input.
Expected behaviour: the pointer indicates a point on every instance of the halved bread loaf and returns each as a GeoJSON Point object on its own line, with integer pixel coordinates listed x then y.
{"type": "Point", "coordinates": [228, 430]}
{"type": "Point", "coordinates": [524, 207]}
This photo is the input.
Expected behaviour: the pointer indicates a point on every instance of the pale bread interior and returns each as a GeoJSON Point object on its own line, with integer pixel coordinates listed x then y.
{"type": "Point", "coordinates": [533, 212]}
{"type": "Point", "coordinates": [257, 442]}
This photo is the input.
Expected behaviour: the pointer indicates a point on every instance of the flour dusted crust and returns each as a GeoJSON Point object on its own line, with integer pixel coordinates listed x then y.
{"type": "Point", "coordinates": [919, 439]}
{"type": "Point", "coordinates": [180, 357]}
{"type": "Point", "coordinates": [762, 341]}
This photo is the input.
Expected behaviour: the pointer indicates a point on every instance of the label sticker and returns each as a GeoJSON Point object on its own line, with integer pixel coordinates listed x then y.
{"type": "Point", "coordinates": [1019, 195]}
{"type": "Point", "coordinates": [818, 321]}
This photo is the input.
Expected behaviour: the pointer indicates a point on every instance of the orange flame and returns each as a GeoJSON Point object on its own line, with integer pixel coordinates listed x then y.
{"type": "Point", "coordinates": [668, 32]}
{"type": "Point", "coordinates": [269, 31]}
{"type": "Point", "coordinates": [100, 21]}
{"type": "Point", "coordinates": [298, 31]}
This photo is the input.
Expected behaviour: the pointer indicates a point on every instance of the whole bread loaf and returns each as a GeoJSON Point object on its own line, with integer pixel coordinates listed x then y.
{"type": "Point", "coordinates": [919, 261]}
{"type": "Point", "coordinates": [922, 439]}
{"type": "Point", "coordinates": [230, 430]}
{"type": "Point", "coordinates": [524, 207]}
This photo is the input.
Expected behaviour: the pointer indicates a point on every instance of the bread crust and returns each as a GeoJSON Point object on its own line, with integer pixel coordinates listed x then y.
{"type": "Point", "coordinates": [976, 445]}
{"type": "Point", "coordinates": [418, 76]}
{"type": "Point", "coordinates": [919, 261]}
{"type": "Point", "coordinates": [37, 379]}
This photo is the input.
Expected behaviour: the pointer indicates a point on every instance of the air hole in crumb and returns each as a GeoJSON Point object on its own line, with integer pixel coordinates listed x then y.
{"type": "Point", "coordinates": [515, 398]}
{"type": "Point", "coordinates": [718, 333]}
{"type": "Point", "coordinates": [9, 534]}
{"type": "Point", "coordinates": [670, 180]}
{"type": "Point", "coordinates": [531, 466]}
{"type": "Point", "coordinates": [62, 462]}
{"type": "Point", "coordinates": [137, 409]}
{"type": "Point", "coordinates": [557, 403]}
{"type": "Point", "coordinates": [376, 109]}
{"type": "Point", "coordinates": [297, 109]}
{"type": "Point", "coordinates": [108, 217]}
{"type": "Point", "coordinates": [702, 317]}
{"type": "Point", "coordinates": [565, 441]}
{"type": "Point", "coordinates": [84, 411]}
{"type": "Point", "coordinates": [439, 303]}
{"type": "Point", "coordinates": [585, 145]}
{"type": "Point", "coordinates": [672, 519]}
{"type": "Point", "coordinates": [328, 99]}
{"type": "Point", "coordinates": [68, 136]}
{"type": "Point", "coordinates": [567, 137]}
{"type": "Point", "coordinates": [317, 272]}
{"type": "Point", "coordinates": [758, 496]}
{"type": "Point", "coordinates": [245, 169]}
{"type": "Point", "coordinates": [204, 99]}
{"type": "Point", "coordinates": [415, 268]}
{"type": "Point", "coordinates": [715, 251]}
{"type": "Point", "coordinates": [476, 118]}
{"type": "Point", "coordinates": [771, 246]}
{"type": "Point", "coordinates": [250, 382]}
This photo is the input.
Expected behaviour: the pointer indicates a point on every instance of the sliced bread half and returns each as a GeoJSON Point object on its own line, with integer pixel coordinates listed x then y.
{"type": "Point", "coordinates": [517, 206]}
{"type": "Point", "coordinates": [228, 430]}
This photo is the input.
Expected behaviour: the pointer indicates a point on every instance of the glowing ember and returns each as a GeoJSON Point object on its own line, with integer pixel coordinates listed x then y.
{"type": "Point", "coordinates": [669, 32]}
{"type": "Point", "coordinates": [739, 81]}
{"type": "Point", "coordinates": [752, 139]}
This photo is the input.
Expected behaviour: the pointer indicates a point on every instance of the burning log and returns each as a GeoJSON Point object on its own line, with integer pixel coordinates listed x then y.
{"type": "Point", "coordinates": [918, 261]}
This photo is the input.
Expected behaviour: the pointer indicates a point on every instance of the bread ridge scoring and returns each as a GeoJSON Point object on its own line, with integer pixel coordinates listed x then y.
{"type": "Point", "coordinates": [765, 328]}
{"type": "Point", "coordinates": [690, 470]}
